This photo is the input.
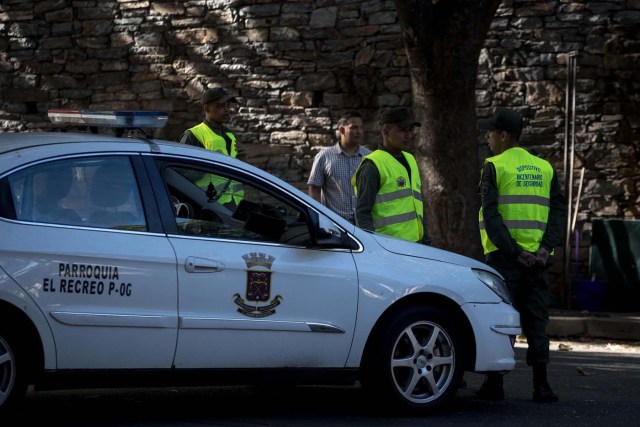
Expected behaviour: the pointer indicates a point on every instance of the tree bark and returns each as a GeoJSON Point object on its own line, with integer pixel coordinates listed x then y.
{"type": "Point", "coordinates": [443, 40]}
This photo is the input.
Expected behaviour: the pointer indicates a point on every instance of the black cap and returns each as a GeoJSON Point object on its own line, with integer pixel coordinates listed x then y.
{"type": "Point", "coordinates": [503, 119]}
{"type": "Point", "coordinates": [217, 94]}
{"type": "Point", "coordinates": [400, 116]}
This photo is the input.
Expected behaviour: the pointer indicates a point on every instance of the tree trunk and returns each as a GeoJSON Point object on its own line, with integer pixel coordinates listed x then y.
{"type": "Point", "coordinates": [443, 39]}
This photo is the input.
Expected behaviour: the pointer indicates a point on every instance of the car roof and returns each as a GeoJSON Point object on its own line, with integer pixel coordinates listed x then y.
{"type": "Point", "coordinates": [65, 141]}
{"type": "Point", "coordinates": [38, 143]}
{"type": "Point", "coordinates": [12, 141]}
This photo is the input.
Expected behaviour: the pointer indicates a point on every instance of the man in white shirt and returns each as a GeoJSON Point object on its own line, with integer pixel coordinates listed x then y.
{"type": "Point", "coordinates": [330, 178]}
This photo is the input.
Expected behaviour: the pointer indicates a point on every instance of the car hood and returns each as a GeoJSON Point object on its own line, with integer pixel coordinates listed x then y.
{"type": "Point", "coordinates": [403, 247]}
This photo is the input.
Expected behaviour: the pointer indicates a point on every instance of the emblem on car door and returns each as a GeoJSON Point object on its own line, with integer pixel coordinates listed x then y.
{"type": "Point", "coordinates": [258, 287]}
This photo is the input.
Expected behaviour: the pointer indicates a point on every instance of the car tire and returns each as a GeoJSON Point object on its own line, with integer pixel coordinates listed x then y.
{"type": "Point", "coordinates": [416, 361]}
{"type": "Point", "coordinates": [13, 378]}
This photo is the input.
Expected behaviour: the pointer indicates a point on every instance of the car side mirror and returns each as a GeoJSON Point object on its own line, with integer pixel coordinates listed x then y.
{"type": "Point", "coordinates": [327, 239]}
{"type": "Point", "coordinates": [329, 236]}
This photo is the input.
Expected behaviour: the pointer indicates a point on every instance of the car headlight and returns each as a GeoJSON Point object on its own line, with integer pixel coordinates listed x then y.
{"type": "Point", "coordinates": [495, 283]}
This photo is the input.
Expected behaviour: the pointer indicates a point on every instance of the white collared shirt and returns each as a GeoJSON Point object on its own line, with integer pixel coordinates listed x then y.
{"type": "Point", "coordinates": [332, 171]}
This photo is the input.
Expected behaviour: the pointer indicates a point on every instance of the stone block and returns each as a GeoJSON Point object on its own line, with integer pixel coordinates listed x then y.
{"type": "Point", "coordinates": [566, 326]}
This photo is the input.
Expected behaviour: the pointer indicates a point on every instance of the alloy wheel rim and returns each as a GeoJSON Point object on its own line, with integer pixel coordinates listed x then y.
{"type": "Point", "coordinates": [7, 370]}
{"type": "Point", "coordinates": [422, 362]}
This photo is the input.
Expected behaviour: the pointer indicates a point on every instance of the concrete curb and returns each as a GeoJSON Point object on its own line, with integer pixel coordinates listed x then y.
{"type": "Point", "coordinates": [621, 326]}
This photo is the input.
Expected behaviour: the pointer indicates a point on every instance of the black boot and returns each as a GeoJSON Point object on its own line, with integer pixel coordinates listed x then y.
{"type": "Point", "coordinates": [491, 388]}
{"type": "Point", "coordinates": [542, 392]}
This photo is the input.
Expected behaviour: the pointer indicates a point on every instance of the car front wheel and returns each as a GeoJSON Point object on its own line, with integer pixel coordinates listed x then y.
{"type": "Point", "coordinates": [416, 362]}
{"type": "Point", "coordinates": [12, 382]}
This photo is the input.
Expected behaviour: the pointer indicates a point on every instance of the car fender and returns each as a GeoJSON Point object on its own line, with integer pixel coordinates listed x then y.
{"type": "Point", "coordinates": [385, 278]}
{"type": "Point", "coordinates": [12, 293]}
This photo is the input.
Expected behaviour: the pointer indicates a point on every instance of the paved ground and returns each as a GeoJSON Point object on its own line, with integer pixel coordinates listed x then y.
{"type": "Point", "coordinates": [596, 381]}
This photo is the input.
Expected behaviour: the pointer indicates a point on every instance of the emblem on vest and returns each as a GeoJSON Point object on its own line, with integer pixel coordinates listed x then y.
{"type": "Point", "coordinates": [258, 287]}
{"type": "Point", "coordinates": [401, 182]}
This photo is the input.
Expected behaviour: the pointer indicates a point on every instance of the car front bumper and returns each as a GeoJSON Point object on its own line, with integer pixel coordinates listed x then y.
{"type": "Point", "coordinates": [495, 327]}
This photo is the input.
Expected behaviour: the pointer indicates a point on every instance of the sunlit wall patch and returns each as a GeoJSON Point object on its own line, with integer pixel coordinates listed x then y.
{"type": "Point", "coordinates": [258, 287]}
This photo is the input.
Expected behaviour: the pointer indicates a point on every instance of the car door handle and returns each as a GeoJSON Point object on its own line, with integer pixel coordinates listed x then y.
{"type": "Point", "coordinates": [202, 265]}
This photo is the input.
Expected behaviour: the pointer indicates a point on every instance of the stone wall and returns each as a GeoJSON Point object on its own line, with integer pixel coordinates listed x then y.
{"type": "Point", "coordinates": [524, 65]}
{"type": "Point", "coordinates": [297, 64]}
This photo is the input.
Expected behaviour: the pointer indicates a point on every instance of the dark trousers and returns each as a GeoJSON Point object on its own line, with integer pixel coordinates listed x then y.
{"type": "Point", "coordinates": [531, 298]}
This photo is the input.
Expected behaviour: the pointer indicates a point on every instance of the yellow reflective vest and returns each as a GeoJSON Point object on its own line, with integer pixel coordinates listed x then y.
{"type": "Point", "coordinates": [227, 190]}
{"type": "Point", "coordinates": [398, 209]}
{"type": "Point", "coordinates": [524, 187]}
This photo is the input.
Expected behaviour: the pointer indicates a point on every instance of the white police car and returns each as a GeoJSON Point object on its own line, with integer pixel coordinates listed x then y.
{"type": "Point", "coordinates": [120, 265]}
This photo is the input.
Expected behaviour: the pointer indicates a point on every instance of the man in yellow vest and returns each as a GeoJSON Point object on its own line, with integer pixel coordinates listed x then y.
{"type": "Point", "coordinates": [521, 221]}
{"type": "Point", "coordinates": [213, 135]}
{"type": "Point", "coordinates": [388, 185]}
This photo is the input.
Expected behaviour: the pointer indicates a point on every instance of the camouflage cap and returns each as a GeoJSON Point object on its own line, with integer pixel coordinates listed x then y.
{"type": "Point", "coordinates": [503, 119]}
{"type": "Point", "coordinates": [400, 116]}
{"type": "Point", "coordinates": [217, 94]}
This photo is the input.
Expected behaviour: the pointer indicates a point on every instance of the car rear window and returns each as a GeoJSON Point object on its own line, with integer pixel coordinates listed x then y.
{"type": "Point", "coordinates": [97, 192]}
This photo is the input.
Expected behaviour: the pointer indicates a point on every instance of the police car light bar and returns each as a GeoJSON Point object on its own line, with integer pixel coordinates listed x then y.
{"type": "Point", "coordinates": [114, 119]}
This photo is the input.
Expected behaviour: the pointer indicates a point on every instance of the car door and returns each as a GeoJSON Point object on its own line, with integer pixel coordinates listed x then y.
{"type": "Point", "coordinates": [82, 247]}
{"type": "Point", "coordinates": [251, 291]}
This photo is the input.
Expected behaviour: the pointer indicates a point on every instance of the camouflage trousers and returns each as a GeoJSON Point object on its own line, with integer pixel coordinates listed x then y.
{"type": "Point", "coordinates": [530, 295]}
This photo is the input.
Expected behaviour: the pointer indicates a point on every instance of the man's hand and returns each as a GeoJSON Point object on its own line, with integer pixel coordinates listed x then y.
{"type": "Point", "coordinates": [527, 259]}
{"type": "Point", "coordinates": [542, 256]}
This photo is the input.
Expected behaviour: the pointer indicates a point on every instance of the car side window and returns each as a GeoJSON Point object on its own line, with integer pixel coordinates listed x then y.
{"type": "Point", "coordinates": [213, 205]}
{"type": "Point", "coordinates": [97, 192]}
